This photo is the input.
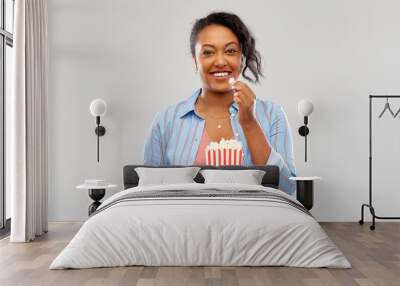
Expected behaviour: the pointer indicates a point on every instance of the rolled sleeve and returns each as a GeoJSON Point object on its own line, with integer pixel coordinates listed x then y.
{"type": "Point", "coordinates": [282, 151]}
{"type": "Point", "coordinates": [153, 147]}
{"type": "Point", "coordinates": [286, 185]}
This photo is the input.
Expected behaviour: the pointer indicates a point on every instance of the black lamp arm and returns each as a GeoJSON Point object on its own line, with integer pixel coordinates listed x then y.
{"type": "Point", "coordinates": [303, 131]}
{"type": "Point", "coordinates": [100, 131]}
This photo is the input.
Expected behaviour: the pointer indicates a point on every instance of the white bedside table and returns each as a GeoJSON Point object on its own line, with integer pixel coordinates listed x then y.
{"type": "Point", "coordinates": [305, 190]}
{"type": "Point", "coordinates": [96, 193]}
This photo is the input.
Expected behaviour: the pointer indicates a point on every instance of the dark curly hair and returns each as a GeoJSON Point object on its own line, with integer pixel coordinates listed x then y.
{"type": "Point", "coordinates": [247, 42]}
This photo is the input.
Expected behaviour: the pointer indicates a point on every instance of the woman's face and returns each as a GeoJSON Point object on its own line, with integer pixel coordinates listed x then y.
{"type": "Point", "coordinates": [218, 57]}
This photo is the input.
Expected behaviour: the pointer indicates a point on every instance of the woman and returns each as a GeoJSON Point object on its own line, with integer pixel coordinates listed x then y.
{"type": "Point", "coordinates": [224, 108]}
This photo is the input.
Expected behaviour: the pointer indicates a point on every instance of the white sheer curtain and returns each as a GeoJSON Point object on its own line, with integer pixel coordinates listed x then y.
{"type": "Point", "coordinates": [28, 122]}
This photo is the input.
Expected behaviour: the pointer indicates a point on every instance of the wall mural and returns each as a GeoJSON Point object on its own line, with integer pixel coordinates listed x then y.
{"type": "Point", "coordinates": [223, 122]}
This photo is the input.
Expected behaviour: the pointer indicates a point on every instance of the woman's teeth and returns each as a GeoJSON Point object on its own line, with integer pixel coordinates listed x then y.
{"type": "Point", "coordinates": [221, 74]}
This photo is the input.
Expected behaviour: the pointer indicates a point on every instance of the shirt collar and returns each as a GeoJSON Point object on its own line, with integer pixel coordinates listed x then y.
{"type": "Point", "coordinates": [189, 105]}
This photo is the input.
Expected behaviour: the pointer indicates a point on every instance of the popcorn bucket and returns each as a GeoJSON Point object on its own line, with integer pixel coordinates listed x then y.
{"type": "Point", "coordinates": [225, 153]}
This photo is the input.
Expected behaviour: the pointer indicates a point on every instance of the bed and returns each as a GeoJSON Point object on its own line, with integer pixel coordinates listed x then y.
{"type": "Point", "coordinates": [198, 224]}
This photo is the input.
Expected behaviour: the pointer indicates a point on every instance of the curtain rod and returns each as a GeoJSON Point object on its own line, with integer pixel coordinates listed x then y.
{"type": "Point", "coordinates": [383, 96]}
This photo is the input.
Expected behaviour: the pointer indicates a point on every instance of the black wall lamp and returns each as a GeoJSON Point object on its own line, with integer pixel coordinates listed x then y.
{"type": "Point", "coordinates": [98, 108]}
{"type": "Point", "coordinates": [305, 108]}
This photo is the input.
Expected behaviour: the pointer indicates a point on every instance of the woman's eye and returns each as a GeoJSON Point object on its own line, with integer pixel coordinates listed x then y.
{"type": "Point", "coordinates": [206, 53]}
{"type": "Point", "coordinates": [231, 51]}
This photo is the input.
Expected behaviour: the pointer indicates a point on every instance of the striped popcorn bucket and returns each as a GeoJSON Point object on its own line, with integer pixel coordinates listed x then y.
{"type": "Point", "coordinates": [224, 157]}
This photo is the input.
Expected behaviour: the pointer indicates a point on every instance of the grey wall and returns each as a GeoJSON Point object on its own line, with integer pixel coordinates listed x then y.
{"type": "Point", "coordinates": [135, 55]}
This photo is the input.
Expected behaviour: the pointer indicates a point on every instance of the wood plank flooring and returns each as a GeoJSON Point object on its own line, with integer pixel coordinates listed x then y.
{"type": "Point", "coordinates": [374, 255]}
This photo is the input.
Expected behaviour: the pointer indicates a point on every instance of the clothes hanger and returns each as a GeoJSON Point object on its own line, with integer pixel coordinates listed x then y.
{"type": "Point", "coordinates": [387, 107]}
{"type": "Point", "coordinates": [397, 113]}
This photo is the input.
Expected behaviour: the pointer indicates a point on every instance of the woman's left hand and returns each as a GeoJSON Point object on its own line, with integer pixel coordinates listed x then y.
{"type": "Point", "coordinates": [246, 100]}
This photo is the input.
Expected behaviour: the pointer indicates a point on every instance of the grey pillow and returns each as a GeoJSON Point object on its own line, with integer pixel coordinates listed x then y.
{"type": "Point", "coordinates": [162, 176]}
{"type": "Point", "coordinates": [249, 177]}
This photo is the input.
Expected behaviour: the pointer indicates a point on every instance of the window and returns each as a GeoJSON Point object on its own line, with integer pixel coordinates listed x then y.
{"type": "Point", "coordinates": [6, 60]}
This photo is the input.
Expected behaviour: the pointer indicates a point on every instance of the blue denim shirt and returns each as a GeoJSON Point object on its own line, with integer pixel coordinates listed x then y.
{"type": "Point", "coordinates": [176, 132]}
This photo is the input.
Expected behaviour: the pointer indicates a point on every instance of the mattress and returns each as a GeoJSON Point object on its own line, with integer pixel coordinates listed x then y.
{"type": "Point", "coordinates": [201, 225]}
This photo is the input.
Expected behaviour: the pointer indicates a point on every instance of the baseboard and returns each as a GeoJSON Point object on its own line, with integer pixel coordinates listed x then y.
{"type": "Point", "coordinates": [67, 221]}
{"type": "Point", "coordinates": [5, 231]}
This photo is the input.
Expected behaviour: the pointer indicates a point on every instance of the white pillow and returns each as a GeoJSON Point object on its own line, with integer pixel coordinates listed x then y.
{"type": "Point", "coordinates": [249, 177]}
{"type": "Point", "coordinates": [162, 176]}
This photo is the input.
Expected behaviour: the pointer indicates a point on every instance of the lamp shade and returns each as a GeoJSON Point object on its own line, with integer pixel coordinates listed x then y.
{"type": "Point", "coordinates": [98, 107]}
{"type": "Point", "coordinates": [305, 107]}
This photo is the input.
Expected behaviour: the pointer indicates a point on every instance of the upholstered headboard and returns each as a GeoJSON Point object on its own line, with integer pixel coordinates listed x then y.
{"type": "Point", "coordinates": [270, 179]}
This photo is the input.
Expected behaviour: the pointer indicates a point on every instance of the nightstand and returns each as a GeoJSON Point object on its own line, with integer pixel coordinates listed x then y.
{"type": "Point", "coordinates": [96, 193]}
{"type": "Point", "coordinates": [305, 190]}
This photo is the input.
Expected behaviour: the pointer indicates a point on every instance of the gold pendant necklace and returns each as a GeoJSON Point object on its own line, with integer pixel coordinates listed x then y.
{"type": "Point", "coordinates": [208, 117]}
{"type": "Point", "coordinates": [219, 120]}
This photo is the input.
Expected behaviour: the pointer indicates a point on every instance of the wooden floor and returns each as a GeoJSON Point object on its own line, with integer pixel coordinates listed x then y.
{"type": "Point", "coordinates": [374, 255]}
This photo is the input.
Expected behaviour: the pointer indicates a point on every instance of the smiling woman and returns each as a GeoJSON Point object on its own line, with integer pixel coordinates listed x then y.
{"type": "Point", "coordinates": [223, 122]}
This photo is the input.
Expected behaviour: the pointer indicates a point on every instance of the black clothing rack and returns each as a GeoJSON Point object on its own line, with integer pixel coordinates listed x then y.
{"type": "Point", "coordinates": [369, 205]}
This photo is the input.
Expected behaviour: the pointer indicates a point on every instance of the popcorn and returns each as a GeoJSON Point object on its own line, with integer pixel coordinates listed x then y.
{"type": "Point", "coordinates": [226, 152]}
